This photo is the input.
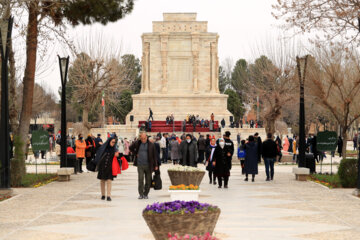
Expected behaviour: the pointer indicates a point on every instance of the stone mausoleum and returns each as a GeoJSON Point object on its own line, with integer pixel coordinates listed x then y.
{"type": "Point", "coordinates": [180, 68]}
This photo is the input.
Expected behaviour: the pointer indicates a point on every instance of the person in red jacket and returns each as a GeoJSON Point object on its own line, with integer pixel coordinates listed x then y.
{"type": "Point", "coordinates": [70, 149]}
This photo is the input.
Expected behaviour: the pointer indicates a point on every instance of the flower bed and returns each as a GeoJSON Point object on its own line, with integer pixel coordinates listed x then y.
{"type": "Point", "coordinates": [330, 181]}
{"type": "Point", "coordinates": [184, 187]}
{"type": "Point", "coordinates": [181, 217]}
{"type": "Point", "coordinates": [186, 175]}
{"type": "Point", "coordinates": [207, 236]}
{"type": "Point", "coordinates": [3, 198]}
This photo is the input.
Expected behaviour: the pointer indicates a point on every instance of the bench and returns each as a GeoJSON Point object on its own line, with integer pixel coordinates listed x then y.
{"type": "Point", "coordinates": [64, 174]}
{"type": "Point", "coordinates": [301, 173]}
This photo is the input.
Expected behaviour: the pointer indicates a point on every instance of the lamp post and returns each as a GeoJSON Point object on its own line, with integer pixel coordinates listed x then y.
{"type": "Point", "coordinates": [301, 67]}
{"type": "Point", "coordinates": [64, 65]}
{"type": "Point", "coordinates": [5, 35]}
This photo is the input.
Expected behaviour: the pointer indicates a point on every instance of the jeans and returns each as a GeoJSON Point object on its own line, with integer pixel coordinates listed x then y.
{"type": "Point", "coordinates": [269, 162]}
{"type": "Point", "coordinates": [144, 172]}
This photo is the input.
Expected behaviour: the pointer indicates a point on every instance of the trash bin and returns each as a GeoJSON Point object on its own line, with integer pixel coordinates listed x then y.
{"type": "Point", "coordinates": [310, 162]}
{"type": "Point", "coordinates": [71, 161]}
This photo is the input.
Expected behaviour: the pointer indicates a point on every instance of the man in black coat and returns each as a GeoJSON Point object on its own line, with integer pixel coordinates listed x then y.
{"type": "Point", "coordinates": [229, 147]}
{"type": "Point", "coordinates": [269, 152]}
{"type": "Point", "coordinates": [146, 162]}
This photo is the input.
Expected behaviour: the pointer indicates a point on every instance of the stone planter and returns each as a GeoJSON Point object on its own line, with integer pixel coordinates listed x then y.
{"type": "Point", "coordinates": [184, 195]}
{"type": "Point", "coordinates": [189, 223]}
{"type": "Point", "coordinates": [186, 177]}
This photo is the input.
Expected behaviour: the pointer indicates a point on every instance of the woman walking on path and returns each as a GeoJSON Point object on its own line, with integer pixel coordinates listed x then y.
{"type": "Point", "coordinates": [286, 144]}
{"type": "Point", "coordinates": [80, 152]}
{"type": "Point", "coordinates": [279, 147]}
{"type": "Point", "coordinates": [90, 149]}
{"type": "Point", "coordinates": [241, 156]}
{"type": "Point", "coordinates": [222, 164]}
{"type": "Point", "coordinates": [251, 159]}
{"type": "Point", "coordinates": [175, 150]}
{"type": "Point", "coordinates": [108, 166]}
{"type": "Point", "coordinates": [209, 160]}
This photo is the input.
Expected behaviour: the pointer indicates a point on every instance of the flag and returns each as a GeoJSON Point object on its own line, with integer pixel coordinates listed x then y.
{"type": "Point", "coordinates": [103, 100]}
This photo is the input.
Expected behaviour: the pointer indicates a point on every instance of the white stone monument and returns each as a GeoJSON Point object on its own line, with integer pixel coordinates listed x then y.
{"type": "Point", "coordinates": [180, 68]}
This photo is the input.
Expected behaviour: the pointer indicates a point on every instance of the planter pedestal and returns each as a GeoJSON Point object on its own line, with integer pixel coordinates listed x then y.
{"type": "Point", "coordinates": [186, 178]}
{"type": "Point", "coordinates": [189, 223]}
{"type": "Point", "coordinates": [184, 195]}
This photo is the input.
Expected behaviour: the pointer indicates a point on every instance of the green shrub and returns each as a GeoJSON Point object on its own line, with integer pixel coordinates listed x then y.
{"type": "Point", "coordinates": [348, 172]}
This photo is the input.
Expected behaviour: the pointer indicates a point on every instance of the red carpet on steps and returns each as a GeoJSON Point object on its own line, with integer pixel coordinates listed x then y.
{"type": "Point", "coordinates": [161, 126]}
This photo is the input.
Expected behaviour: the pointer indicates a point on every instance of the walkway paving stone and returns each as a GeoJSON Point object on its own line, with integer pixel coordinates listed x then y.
{"type": "Point", "coordinates": [282, 209]}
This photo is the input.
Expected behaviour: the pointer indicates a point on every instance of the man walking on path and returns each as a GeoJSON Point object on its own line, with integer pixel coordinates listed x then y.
{"type": "Point", "coordinates": [163, 148]}
{"type": "Point", "coordinates": [150, 115]}
{"type": "Point", "coordinates": [229, 147]}
{"type": "Point", "coordinates": [146, 162]}
{"type": "Point", "coordinates": [269, 152]}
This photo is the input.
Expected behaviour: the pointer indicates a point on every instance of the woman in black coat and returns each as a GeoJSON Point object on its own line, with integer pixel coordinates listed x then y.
{"type": "Point", "coordinates": [210, 153]}
{"type": "Point", "coordinates": [222, 164]}
{"type": "Point", "coordinates": [251, 158]}
{"type": "Point", "coordinates": [104, 162]}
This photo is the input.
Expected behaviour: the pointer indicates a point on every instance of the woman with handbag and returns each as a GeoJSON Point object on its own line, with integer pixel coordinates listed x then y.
{"type": "Point", "coordinates": [108, 166]}
{"type": "Point", "coordinates": [90, 149]}
{"type": "Point", "coordinates": [80, 152]}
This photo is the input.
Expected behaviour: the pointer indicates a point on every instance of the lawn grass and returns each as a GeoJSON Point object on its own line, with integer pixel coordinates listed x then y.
{"type": "Point", "coordinates": [331, 181]}
{"type": "Point", "coordinates": [36, 180]}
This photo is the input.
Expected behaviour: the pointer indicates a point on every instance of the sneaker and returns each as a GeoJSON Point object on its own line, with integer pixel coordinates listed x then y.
{"type": "Point", "coordinates": [108, 199]}
{"type": "Point", "coordinates": [214, 183]}
{"type": "Point", "coordinates": [246, 179]}
{"type": "Point", "coordinates": [253, 180]}
{"type": "Point", "coordinates": [225, 186]}
{"type": "Point", "coordinates": [141, 197]}
{"type": "Point", "coordinates": [102, 197]}
{"type": "Point", "coordinates": [219, 186]}
{"type": "Point", "coordinates": [146, 197]}
{"type": "Point", "coordinates": [267, 179]}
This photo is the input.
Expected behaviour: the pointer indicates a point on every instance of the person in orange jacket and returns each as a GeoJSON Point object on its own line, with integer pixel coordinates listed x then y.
{"type": "Point", "coordinates": [80, 151]}
{"type": "Point", "coordinates": [108, 166]}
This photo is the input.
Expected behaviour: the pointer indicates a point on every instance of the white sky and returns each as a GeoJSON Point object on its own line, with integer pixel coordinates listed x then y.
{"type": "Point", "coordinates": [241, 25]}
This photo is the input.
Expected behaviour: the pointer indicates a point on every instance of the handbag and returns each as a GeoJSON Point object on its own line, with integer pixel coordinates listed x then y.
{"type": "Point", "coordinates": [88, 154]}
{"type": "Point", "coordinates": [156, 182]}
{"type": "Point", "coordinates": [91, 166]}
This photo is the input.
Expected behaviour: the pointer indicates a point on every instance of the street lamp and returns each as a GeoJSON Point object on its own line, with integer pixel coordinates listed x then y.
{"type": "Point", "coordinates": [301, 67]}
{"type": "Point", "coordinates": [5, 35]}
{"type": "Point", "coordinates": [64, 65]}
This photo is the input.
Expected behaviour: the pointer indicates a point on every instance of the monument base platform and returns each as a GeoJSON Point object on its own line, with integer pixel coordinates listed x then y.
{"type": "Point", "coordinates": [180, 105]}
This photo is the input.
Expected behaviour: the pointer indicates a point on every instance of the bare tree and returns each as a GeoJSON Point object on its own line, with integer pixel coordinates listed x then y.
{"type": "Point", "coordinates": [336, 79]}
{"type": "Point", "coordinates": [96, 72]}
{"type": "Point", "coordinates": [273, 79]}
{"type": "Point", "coordinates": [332, 17]}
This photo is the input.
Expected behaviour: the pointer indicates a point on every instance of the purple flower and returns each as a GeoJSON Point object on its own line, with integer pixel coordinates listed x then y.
{"type": "Point", "coordinates": [179, 207]}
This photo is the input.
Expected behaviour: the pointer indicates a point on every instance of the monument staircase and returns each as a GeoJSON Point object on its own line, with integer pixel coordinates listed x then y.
{"type": "Point", "coordinates": [161, 126]}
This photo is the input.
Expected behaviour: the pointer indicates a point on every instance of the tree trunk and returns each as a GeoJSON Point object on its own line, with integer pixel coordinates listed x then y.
{"type": "Point", "coordinates": [344, 135]}
{"type": "Point", "coordinates": [270, 126]}
{"type": "Point", "coordinates": [29, 74]}
{"type": "Point", "coordinates": [85, 119]}
{"type": "Point", "coordinates": [13, 112]}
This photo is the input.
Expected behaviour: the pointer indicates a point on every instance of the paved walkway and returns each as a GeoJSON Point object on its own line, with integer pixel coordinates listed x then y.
{"type": "Point", "coordinates": [282, 209]}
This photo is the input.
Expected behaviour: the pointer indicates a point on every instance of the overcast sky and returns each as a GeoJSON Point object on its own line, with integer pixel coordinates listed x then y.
{"type": "Point", "coordinates": [240, 24]}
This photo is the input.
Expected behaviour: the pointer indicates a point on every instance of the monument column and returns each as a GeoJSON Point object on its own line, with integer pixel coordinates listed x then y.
{"type": "Point", "coordinates": [146, 67]}
{"type": "Point", "coordinates": [195, 53]}
{"type": "Point", "coordinates": [213, 64]}
{"type": "Point", "coordinates": [217, 65]}
{"type": "Point", "coordinates": [164, 40]}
